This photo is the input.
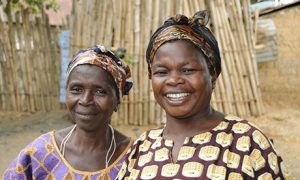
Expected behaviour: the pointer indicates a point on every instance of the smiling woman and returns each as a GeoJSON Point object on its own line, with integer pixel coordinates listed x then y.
{"type": "Point", "coordinates": [91, 149]}
{"type": "Point", "coordinates": [180, 79]}
{"type": "Point", "coordinates": [197, 141]}
{"type": "Point", "coordinates": [91, 96]}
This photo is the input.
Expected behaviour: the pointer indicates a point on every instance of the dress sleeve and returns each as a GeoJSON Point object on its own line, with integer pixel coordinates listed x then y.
{"type": "Point", "coordinates": [265, 161]}
{"type": "Point", "coordinates": [21, 167]}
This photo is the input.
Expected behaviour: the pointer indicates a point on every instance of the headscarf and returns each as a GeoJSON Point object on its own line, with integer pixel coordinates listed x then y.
{"type": "Point", "coordinates": [191, 29]}
{"type": "Point", "coordinates": [106, 60]}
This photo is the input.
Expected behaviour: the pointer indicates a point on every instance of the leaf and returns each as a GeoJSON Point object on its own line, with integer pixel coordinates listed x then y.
{"type": "Point", "coordinates": [15, 1]}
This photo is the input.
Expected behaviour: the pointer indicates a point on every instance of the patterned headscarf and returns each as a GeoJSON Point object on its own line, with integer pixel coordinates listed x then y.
{"type": "Point", "coordinates": [190, 29]}
{"type": "Point", "coordinates": [106, 60]}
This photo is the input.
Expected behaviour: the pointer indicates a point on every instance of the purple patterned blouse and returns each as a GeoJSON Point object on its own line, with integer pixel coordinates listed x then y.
{"type": "Point", "coordinates": [41, 159]}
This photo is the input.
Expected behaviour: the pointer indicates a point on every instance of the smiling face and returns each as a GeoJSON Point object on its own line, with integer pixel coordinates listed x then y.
{"type": "Point", "coordinates": [91, 96]}
{"type": "Point", "coordinates": [181, 81]}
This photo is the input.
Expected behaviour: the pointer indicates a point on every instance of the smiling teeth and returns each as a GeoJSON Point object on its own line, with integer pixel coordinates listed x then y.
{"type": "Point", "coordinates": [178, 95]}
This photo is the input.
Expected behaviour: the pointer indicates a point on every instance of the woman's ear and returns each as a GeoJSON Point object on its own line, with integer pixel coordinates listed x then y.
{"type": "Point", "coordinates": [117, 106]}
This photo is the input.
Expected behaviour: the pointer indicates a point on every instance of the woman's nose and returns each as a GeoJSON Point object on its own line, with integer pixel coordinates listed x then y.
{"type": "Point", "coordinates": [174, 79]}
{"type": "Point", "coordinates": [87, 98]}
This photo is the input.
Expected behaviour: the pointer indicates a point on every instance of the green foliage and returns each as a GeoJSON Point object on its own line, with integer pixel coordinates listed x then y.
{"type": "Point", "coordinates": [34, 6]}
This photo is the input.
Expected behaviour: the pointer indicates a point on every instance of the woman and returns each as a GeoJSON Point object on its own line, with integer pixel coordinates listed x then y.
{"type": "Point", "coordinates": [196, 141]}
{"type": "Point", "coordinates": [91, 149]}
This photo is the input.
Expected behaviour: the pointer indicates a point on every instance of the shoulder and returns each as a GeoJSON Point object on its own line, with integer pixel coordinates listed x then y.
{"type": "Point", "coordinates": [240, 126]}
{"type": "Point", "coordinates": [19, 166]}
{"type": "Point", "coordinates": [243, 129]}
{"type": "Point", "coordinates": [150, 135]}
{"type": "Point", "coordinates": [123, 142]}
{"type": "Point", "coordinates": [145, 141]}
{"type": "Point", "coordinates": [43, 141]}
{"type": "Point", "coordinates": [257, 149]}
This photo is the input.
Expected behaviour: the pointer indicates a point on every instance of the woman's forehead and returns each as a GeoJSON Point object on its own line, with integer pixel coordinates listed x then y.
{"type": "Point", "coordinates": [88, 72]}
{"type": "Point", "coordinates": [82, 68]}
{"type": "Point", "coordinates": [179, 46]}
{"type": "Point", "coordinates": [182, 51]}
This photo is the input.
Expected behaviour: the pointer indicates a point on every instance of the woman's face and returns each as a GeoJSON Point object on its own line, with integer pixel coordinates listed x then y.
{"type": "Point", "coordinates": [91, 97]}
{"type": "Point", "coordinates": [181, 81]}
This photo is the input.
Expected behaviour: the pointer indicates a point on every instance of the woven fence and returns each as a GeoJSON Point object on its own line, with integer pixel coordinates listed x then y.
{"type": "Point", "coordinates": [29, 63]}
{"type": "Point", "coordinates": [30, 59]}
{"type": "Point", "coordinates": [129, 24]}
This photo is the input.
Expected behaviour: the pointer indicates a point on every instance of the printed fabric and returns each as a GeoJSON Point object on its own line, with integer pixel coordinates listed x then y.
{"type": "Point", "coordinates": [234, 150]}
{"type": "Point", "coordinates": [41, 160]}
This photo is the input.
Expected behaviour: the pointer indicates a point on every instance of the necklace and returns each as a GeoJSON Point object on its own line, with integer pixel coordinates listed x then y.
{"type": "Point", "coordinates": [108, 157]}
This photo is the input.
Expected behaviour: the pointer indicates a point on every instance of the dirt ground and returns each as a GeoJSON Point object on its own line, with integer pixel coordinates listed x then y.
{"type": "Point", "coordinates": [18, 129]}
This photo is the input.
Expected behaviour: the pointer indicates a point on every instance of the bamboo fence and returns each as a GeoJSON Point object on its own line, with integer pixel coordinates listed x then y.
{"type": "Point", "coordinates": [29, 63]}
{"type": "Point", "coordinates": [30, 60]}
{"type": "Point", "coordinates": [129, 24]}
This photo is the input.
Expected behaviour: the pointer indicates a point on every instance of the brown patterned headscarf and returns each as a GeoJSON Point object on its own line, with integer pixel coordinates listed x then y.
{"type": "Point", "coordinates": [106, 60]}
{"type": "Point", "coordinates": [191, 29]}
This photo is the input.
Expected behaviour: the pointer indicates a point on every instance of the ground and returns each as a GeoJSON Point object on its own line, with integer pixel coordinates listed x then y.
{"type": "Point", "coordinates": [18, 129]}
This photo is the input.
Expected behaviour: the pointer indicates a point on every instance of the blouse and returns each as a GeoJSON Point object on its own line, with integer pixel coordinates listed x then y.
{"type": "Point", "coordinates": [235, 149]}
{"type": "Point", "coordinates": [42, 159]}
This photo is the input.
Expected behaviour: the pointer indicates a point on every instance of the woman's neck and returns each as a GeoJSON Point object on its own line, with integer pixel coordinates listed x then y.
{"type": "Point", "coordinates": [190, 126]}
{"type": "Point", "coordinates": [92, 140]}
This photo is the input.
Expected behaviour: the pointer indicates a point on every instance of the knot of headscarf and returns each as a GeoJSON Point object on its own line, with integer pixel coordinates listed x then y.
{"type": "Point", "coordinates": [106, 60]}
{"type": "Point", "coordinates": [191, 29]}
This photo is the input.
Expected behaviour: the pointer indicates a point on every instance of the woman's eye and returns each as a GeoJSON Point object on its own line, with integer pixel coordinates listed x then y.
{"type": "Point", "coordinates": [100, 91]}
{"type": "Point", "coordinates": [76, 90]}
{"type": "Point", "coordinates": [160, 73]}
{"type": "Point", "coordinates": [188, 71]}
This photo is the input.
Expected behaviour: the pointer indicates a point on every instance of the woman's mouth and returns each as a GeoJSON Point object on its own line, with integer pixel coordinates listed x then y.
{"type": "Point", "coordinates": [85, 115]}
{"type": "Point", "coordinates": [176, 97]}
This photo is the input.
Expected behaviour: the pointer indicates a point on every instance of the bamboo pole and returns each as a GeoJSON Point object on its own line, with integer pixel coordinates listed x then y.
{"type": "Point", "coordinates": [12, 42]}
{"type": "Point", "coordinates": [226, 43]}
{"type": "Point", "coordinates": [155, 23]}
{"type": "Point", "coordinates": [123, 30]}
{"type": "Point", "coordinates": [136, 42]}
{"type": "Point", "coordinates": [2, 60]}
{"type": "Point", "coordinates": [75, 28]}
{"type": "Point", "coordinates": [29, 59]}
{"type": "Point", "coordinates": [93, 19]}
{"type": "Point", "coordinates": [147, 32]}
{"type": "Point", "coordinates": [251, 42]}
{"type": "Point", "coordinates": [143, 82]}
{"type": "Point", "coordinates": [251, 82]}
{"type": "Point", "coordinates": [116, 43]}
{"type": "Point", "coordinates": [40, 76]}
{"type": "Point", "coordinates": [226, 91]}
{"type": "Point", "coordinates": [242, 77]}
{"type": "Point", "coordinates": [108, 26]}
{"type": "Point", "coordinates": [3, 89]}
{"type": "Point", "coordinates": [103, 16]}
{"type": "Point", "coordinates": [18, 63]}
{"type": "Point", "coordinates": [129, 43]}
{"type": "Point", "coordinates": [49, 85]}
{"type": "Point", "coordinates": [45, 35]}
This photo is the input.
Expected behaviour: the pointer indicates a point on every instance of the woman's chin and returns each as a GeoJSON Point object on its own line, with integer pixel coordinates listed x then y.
{"type": "Point", "coordinates": [178, 113]}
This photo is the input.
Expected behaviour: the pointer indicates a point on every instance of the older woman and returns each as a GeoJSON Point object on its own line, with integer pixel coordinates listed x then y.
{"type": "Point", "coordinates": [197, 141]}
{"type": "Point", "coordinates": [91, 149]}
